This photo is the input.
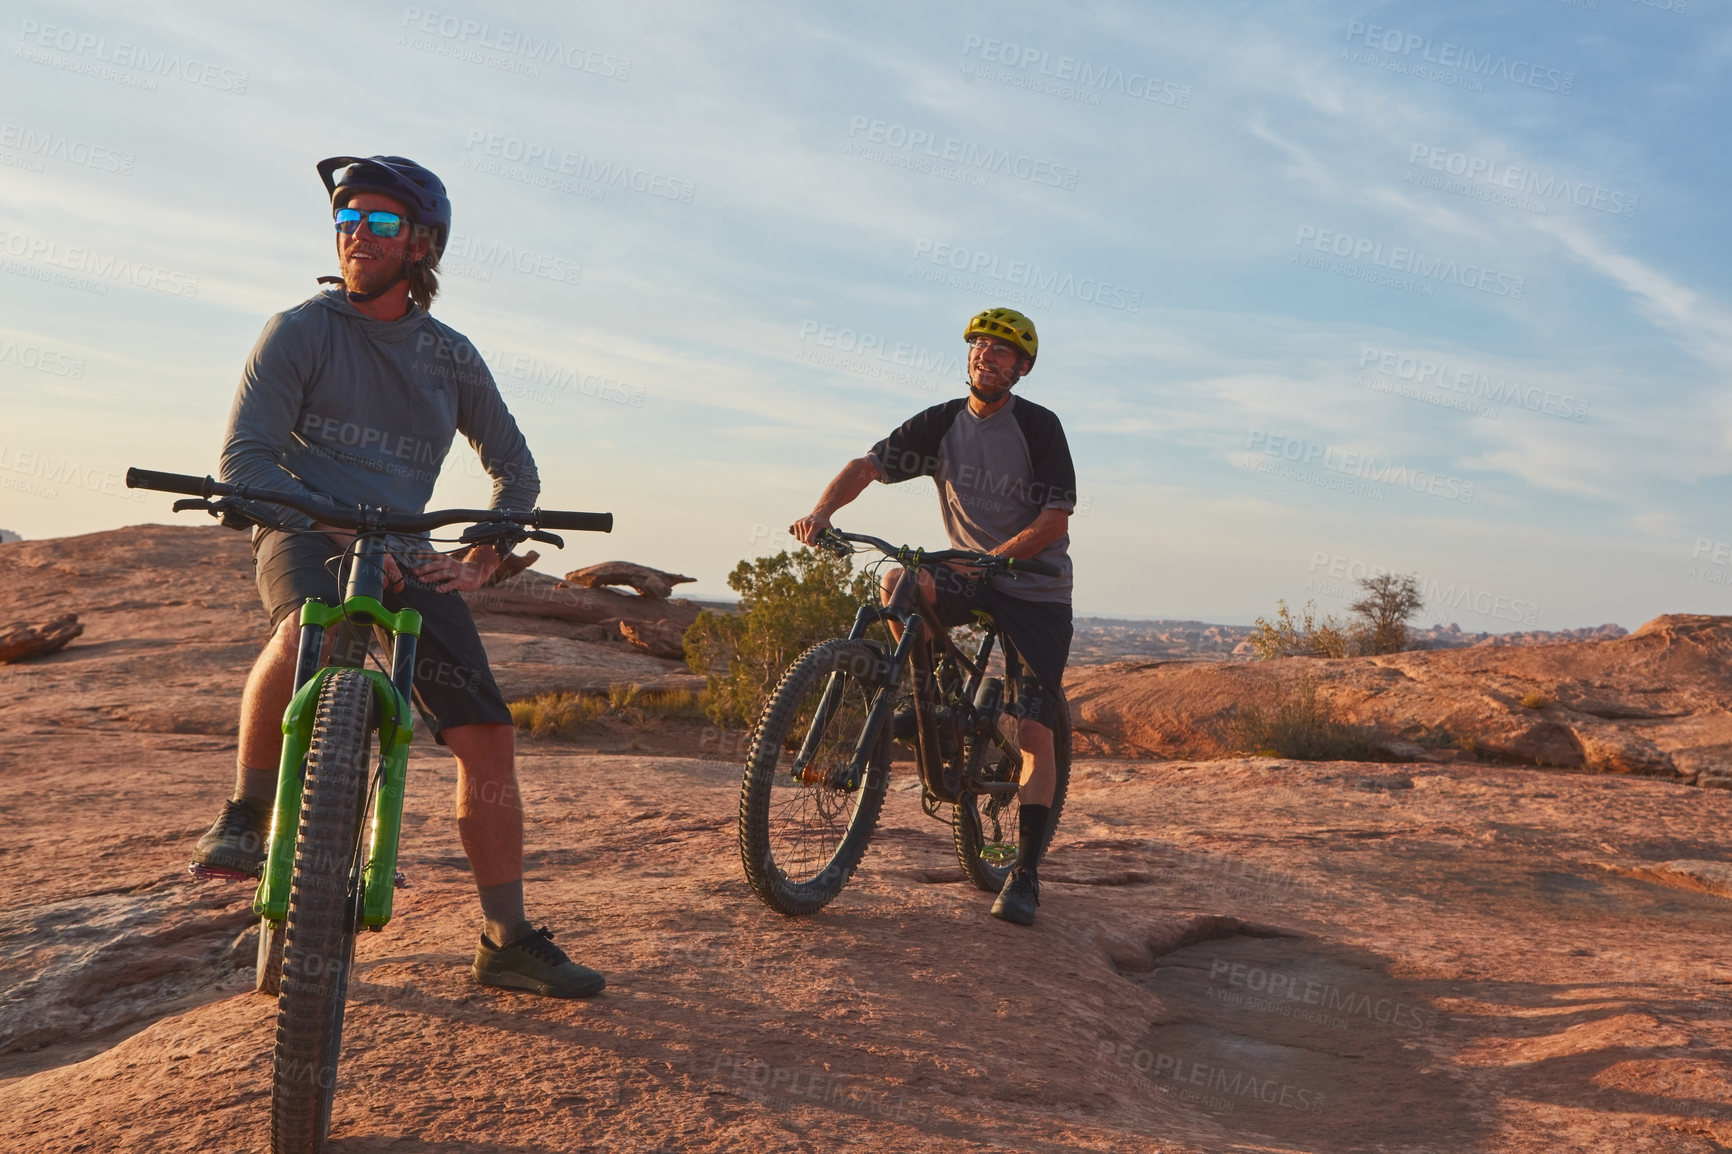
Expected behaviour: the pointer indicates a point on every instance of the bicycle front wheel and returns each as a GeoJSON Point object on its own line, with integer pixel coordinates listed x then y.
{"type": "Point", "coordinates": [803, 829]}
{"type": "Point", "coordinates": [987, 827]}
{"type": "Point", "coordinates": [324, 903]}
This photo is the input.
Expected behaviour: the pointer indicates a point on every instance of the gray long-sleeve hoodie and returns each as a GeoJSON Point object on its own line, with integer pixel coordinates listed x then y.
{"type": "Point", "coordinates": [337, 406]}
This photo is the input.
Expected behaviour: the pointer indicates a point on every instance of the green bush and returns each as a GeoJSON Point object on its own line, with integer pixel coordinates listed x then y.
{"type": "Point", "coordinates": [1299, 725]}
{"type": "Point", "coordinates": [788, 603]}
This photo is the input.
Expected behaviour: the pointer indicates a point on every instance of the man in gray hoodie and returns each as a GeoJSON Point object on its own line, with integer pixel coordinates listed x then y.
{"type": "Point", "coordinates": [354, 396]}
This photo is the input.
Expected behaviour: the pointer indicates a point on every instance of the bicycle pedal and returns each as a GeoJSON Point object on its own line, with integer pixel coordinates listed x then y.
{"type": "Point", "coordinates": [401, 881]}
{"type": "Point", "coordinates": [217, 873]}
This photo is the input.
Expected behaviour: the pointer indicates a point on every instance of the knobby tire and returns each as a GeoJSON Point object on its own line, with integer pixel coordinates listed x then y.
{"type": "Point", "coordinates": [801, 843]}
{"type": "Point", "coordinates": [319, 936]}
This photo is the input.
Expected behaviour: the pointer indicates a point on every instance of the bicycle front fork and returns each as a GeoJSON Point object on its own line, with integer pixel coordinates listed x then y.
{"type": "Point", "coordinates": [877, 716]}
{"type": "Point", "coordinates": [394, 728]}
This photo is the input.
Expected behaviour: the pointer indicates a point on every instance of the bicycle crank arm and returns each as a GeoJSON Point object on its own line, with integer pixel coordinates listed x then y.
{"type": "Point", "coordinates": [996, 788]}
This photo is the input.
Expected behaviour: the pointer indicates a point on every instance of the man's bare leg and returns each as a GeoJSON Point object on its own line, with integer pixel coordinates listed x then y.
{"type": "Point", "coordinates": [887, 589]}
{"type": "Point", "coordinates": [269, 687]}
{"type": "Point", "coordinates": [490, 820]}
{"type": "Point", "coordinates": [1039, 764]}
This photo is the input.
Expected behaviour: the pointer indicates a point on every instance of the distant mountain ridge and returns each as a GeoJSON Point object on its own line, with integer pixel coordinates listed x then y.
{"type": "Point", "coordinates": [1099, 640]}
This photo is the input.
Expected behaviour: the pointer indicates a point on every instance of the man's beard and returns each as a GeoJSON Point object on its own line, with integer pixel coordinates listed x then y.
{"type": "Point", "coordinates": [362, 277]}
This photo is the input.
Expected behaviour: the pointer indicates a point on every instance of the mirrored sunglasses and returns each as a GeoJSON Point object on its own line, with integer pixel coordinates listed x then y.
{"type": "Point", "coordinates": [383, 224]}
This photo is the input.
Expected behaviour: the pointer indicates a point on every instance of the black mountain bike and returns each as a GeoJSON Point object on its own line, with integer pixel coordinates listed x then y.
{"type": "Point", "coordinates": [345, 753]}
{"type": "Point", "coordinates": [819, 761]}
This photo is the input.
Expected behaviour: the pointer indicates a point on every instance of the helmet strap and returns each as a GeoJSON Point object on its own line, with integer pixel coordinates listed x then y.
{"type": "Point", "coordinates": [990, 398]}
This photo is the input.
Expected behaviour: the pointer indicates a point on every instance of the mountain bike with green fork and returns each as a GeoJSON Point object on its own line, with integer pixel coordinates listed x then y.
{"type": "Point", "coordinates": [819, 761]}
{"type": "Point", "coordinates": [346, 733]}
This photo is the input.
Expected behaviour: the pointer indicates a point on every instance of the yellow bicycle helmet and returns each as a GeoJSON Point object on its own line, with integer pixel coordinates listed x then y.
{"type": "Point", "coordinates": [1006, 325]}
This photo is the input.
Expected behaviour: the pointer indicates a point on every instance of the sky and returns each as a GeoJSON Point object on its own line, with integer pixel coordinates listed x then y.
{"type": "Point", "coordinates": [1323, 289]}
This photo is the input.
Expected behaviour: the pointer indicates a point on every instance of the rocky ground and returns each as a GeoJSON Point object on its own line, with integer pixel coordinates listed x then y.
{"type": "Point", "coordinates": [1243, 954]}
{"type": "Point", "coordinates": [1657, 702]}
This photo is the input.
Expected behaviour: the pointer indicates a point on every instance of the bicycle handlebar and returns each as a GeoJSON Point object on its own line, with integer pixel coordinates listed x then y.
{"type": "Point", "coordinates": [582, 522]}
{"type": "Point", "coordinates": [363, 519]}
{"type": "Point", "coordinates": [905, 555]}
{"type": "Point", "coordinates": [169, 482]}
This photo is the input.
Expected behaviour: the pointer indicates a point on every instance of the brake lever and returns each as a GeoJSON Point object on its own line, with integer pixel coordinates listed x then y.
{"type": "Point", "coordinates": [835, 544]}
{"type": "Point", "coordinates": [490, 531]}
{"type": "Point", "coordinates": [232, 512]}
{"type": "Point", "coordinates": [507, 534]}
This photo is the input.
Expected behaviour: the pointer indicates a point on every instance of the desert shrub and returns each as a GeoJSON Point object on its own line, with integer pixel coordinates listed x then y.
{"type": "Point", "coordinates": [682, 704]}
{"type": "Point", "coordinates": [1534, 699]}
{"type": "Point", "coordinates": [564, 714]}
{"type": "Point", "coordinates": [1303, 636]}
{"type": "Point", "coordinates": [1378, 624]}
{"type": "Point", "coordinates": [548, 714]}
{"type": "Point", "coordinates": [1300, 725]}
{"type": "Point", "coordinates": [788, 603]}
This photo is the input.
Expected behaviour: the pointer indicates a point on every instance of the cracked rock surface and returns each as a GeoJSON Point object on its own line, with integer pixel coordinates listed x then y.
{"type": "Point", "coordinates": [1236, 955]}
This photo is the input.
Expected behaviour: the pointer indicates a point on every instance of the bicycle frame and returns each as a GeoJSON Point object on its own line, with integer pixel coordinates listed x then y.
{"type": "Point", "coordinates": [901, 608]}
{"type": "Point", "coordinates": [360, 612]}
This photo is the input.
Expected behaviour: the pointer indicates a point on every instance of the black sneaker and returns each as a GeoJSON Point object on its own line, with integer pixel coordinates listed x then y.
{"type": "Point", "coordinates": [532, 962]}
{"type": "Point", "coordinates": [1016, 901]}
{"type": "Point", "coordinates": [238, 841]}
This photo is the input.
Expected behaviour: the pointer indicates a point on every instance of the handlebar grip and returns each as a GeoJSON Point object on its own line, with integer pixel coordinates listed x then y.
{"type": "Point", "coordinates": [581, 522]}
{"type": "Point", "coordinates": [1038, 568]}
{"type": "Point", "coordinates": [169, 482]}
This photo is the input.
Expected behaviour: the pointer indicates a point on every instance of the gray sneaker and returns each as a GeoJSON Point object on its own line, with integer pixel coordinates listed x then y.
{"type": "Point", "coordinates": [237, 842]}
{"type": "Point", "coordinates": [532, 962]}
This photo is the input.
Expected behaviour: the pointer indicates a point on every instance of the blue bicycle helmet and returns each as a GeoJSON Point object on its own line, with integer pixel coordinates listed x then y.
{"type": "Point", "coordinates": [394, 176]}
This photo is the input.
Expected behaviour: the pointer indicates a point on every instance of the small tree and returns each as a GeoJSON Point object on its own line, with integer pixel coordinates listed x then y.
{"type": "Point", "coordinates": [1390, 600]}
{"type": "Point", "coordinates": [788, 603]}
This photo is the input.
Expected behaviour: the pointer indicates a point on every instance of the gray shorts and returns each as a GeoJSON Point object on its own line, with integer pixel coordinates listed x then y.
{"type": "Point", "coordinates": [453, 683]}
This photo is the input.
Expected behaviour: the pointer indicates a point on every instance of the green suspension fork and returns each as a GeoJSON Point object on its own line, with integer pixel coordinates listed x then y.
{"type": "Point", "coordinates": [396, 727]}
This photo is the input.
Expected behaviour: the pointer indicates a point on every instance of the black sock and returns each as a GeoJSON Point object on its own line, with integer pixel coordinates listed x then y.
{"type": "Point", "coordinates": [1031, 841]}
{"type": "Point", "coordinates": [502, 905]}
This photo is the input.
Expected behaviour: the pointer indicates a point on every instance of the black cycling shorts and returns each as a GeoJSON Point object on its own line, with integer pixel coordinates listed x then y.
{"type": "Point", "coordinates": [453, 683]}
{"type": "Point", "coordinates": [1039, 630]}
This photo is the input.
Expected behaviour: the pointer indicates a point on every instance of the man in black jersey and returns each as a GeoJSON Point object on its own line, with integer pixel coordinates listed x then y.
{"type": "Point", "coordinates": [1006, 485]}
